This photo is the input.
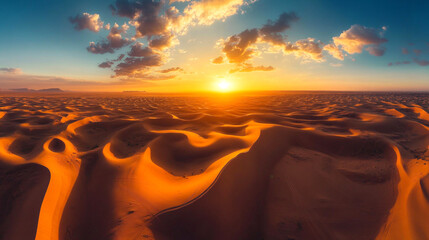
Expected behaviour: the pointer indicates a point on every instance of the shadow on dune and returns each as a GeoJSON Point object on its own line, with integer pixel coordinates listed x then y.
{"type": "Point", "coordinates": [88, 213]}
{"type": "Point", "coordinates": [22, 189]}
{"type": "Point", "coordinates": [252, 199]}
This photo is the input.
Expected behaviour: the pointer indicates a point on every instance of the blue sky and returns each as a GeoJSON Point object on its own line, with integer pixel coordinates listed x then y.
{"type": "Point", "coordinates": [39, 40]}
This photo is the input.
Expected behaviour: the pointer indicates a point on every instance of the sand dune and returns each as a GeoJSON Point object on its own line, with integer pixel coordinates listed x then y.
{"type": "Point", "coordinates": [262, 166]}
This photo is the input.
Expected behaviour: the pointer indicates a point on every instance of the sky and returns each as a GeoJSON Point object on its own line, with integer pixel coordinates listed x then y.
{"type": "Point", "coordinates": [215, 45]}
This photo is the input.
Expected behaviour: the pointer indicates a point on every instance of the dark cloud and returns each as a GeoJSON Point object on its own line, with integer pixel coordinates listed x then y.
{"type": "Point", "coordinates": [113, 42]}
{"type": "Point", "coordinates": [10, 70]}
{"type": "Point", "coordinates": [134, 66]}
{"type": "Point", "coordinates": [237, 48]}
{"type": "Point", "coordinates": [270, 32]}
{"type": "Point", "coordinates": [399, 63]}
{"type": "Point", "coordinates": [137, 50]}
{"type": "Point", "coordinates": [146, 15]}
{"type": "Point", "coordinates": [422, 63]}
{"type": "Point", "coordinates": [88, 21]}
{"type": "Point", "coordinates": [120, 57]}
{"type": "Point", "coordinates": [106, 64]}
{"type": "Point", "coordinates": [419, 62]}
{"type": "Point", "coordinates": [161, 42]}
{"type": "Point", "coordinates": [376, 50]}
{"type": "Point", "coordinates": [124, 8]}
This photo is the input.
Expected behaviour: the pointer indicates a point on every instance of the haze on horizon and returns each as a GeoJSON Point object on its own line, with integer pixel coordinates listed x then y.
{"type": "Point", "coordinates": [220, 45]}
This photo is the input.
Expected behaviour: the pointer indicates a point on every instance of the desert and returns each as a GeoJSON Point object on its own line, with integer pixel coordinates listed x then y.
{"type": "Point", "coordinates": [250, 166]}
{"type": "Point", "coordinates": [214, 120]}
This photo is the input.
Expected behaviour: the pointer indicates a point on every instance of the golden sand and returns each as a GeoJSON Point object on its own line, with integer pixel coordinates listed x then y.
{"type": "Point", "coordinates": [259, 166]}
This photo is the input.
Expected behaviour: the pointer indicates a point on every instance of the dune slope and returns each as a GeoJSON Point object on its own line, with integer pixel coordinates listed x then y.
{"type": "Point", "coordinates": [277, 166]}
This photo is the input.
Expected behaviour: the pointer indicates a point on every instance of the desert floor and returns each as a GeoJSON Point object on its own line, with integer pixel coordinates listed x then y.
{"type": "Point", "coordinates": [222, 166]}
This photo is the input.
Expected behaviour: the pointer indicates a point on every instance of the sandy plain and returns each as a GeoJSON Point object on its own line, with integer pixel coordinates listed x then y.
{"type": "Point", "coordinates": [222, 166]}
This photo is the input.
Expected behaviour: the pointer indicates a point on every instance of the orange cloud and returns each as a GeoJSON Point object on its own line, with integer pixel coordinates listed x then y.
{"type": "Point", "coordinates": [242, 47]}
{"type": "Point", "coordinates": [158, 22]}
{"type": "Point", "coordinates": [251, 68]}
{"type": "Point", "coordinates": [357, 37]}
{"type": "Point", "coordinates": [205, 12]}
{"type": "Point", "coordinates": [174, 69]}
{"type": "Point", "coordinates": [238, 47]}
{"type": "Point", "coordinates": [218, 60]}
{"type": "Point", "coordinates": [309, 49]}
{"type": "Point", "coordinates": [334, 51]}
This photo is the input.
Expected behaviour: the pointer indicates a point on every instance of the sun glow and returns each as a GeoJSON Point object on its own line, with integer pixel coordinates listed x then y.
{"type": "Point", "coordinates": [224, 85]}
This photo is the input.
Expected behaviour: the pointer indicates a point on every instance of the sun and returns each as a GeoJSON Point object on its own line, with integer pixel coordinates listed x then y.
{"type": "Point", "coordinates": [224, 85]}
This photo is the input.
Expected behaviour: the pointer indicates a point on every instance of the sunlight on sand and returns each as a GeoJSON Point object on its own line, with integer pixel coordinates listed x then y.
{"type": "Point", "coordinates": [228, 166]}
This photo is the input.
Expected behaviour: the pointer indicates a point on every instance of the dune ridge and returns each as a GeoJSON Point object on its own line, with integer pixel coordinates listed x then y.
{"type": "Point", "coordinates": [281, 166]}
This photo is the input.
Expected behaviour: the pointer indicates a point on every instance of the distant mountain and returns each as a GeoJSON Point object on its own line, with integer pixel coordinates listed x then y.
{"type": "Point", "coordinates": [50, 90]}
{"type": "Point", "coordinates": [22, 90]}
{"type": "Point", "coordinates": [32, 90]}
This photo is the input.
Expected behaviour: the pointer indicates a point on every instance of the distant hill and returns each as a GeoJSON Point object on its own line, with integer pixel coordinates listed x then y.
{"type": "Point", "coordinates": [33, 90]}
{"type": "Point", "coordinates": [50, 90]}
{"type": "Point", "coordinates": [22, 90]}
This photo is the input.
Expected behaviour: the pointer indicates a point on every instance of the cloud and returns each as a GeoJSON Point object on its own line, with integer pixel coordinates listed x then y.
{"type": "Point", "coordinates": [251, 68]}
{"type": "Point", "coordinates": [162, 42]}
{"type": "Point", "coordinates": [405, 51]}
{"type": "Point", "coordinates": [120, 57]}
{"type": "Point", "coordinates": [399, 63]}
{"type": "Point", "coordinates": [270, 32]}
{"type": "Point", "coordinates": [334, 51]}
{"type": "Point", "coordinates": [241, 48]}
{"type": "Point", "coordinates": [417, 52]}
{"type": "Point", "coordinates": [422, 63]}
{"type": "Point", "coordinates": [419, 62]}
{"type": "Point", "coordinates": [205, 12]}
{"type": "Point", "coordinates": [109, 63]}
{"type": "Point", "coordinates": [124, 8]}
{"type": "Point", "coordinates": [137, 66]}
{"type": "Point", "coordinates": [145, 15]}
{"type": "Point", "coordinates": [106, 64]}
{"type": "Point", "coordinates": [174, 69]}
{"type": "Point", "coordinates": [10, 70]}
{"type": "Point", "coordinates": [218, 60]}
{"type": "Point", "coordinates": [309, 49]}
{"type": "Point", "coordinates": [88, 21]}
{"type": "Point", "coordinates": [113, 42]}
{"type": "Point", "coordinates": [156, 20]}
{"type": "Point", "coordinates": [357, 37]}
{"type": "Point", "coordinates": [376, 50]}
{"type": "Point", "coordinates": [238, 47]}
{"type": "Point", "coordinates": [137, 50]}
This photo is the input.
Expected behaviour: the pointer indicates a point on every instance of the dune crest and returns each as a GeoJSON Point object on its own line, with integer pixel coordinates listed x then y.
{"type": "Point", "coordinates": [280, 166]}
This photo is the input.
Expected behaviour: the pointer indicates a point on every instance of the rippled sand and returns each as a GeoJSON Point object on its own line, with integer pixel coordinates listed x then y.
{"type": "Point", "coordinates": [279, 166]}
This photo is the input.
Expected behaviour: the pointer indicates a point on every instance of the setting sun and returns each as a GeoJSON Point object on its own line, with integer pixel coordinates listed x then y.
{"type": "Point", "coordinates": [224, 85]}
{"type": "Point", "coordinates": [214, 119]}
